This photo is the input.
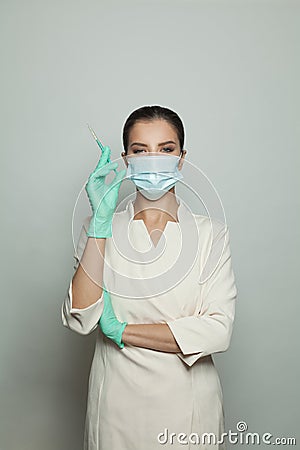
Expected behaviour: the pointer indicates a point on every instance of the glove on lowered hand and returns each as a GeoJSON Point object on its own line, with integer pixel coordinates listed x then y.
{"type": "Point", "coordinates": [109, 324]}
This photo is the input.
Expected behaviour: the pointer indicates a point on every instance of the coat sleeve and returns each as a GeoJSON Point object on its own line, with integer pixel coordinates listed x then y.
{"type": "Point", "coordinates": [210, 329]}
{"type": "Point", "coordinates": [80, 320]}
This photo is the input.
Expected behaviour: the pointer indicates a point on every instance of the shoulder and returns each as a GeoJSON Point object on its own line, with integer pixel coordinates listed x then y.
{"type": "Point", "coordinates": [206, 223]}
{"type": "Point", "coordinates": [211, 229]}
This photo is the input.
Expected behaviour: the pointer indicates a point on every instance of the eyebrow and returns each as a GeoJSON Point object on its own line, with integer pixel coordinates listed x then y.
{"type": "Point", "coordinates": [145, 145]}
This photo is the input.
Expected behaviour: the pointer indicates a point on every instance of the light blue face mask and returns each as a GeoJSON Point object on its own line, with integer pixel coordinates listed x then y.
{"type": "Point", "coordinates": [154, 175]}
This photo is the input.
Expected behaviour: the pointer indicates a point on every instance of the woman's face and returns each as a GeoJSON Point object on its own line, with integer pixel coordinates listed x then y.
{"type": "Point", "coordinates": [156, 136]}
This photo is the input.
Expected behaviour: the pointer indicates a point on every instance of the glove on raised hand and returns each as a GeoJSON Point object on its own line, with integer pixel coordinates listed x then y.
{"type": "Point", "coordinates": [103, 197]}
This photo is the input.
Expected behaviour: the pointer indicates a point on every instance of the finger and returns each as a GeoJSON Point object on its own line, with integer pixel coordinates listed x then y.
{"type": "Point", "coordinates": [104, 158]}
{"type": "Point", "coordinates": [103, 171]}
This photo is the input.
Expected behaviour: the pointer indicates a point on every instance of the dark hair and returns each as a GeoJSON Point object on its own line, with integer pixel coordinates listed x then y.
{"type": "Point", "coordinates": [150, 113]}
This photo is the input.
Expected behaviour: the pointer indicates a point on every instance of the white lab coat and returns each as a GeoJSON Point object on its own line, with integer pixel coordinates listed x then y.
{"type": "Point", "coordinates": [136, 393]}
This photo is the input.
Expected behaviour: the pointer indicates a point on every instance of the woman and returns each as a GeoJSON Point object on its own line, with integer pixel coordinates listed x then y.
{"type": "Point", "coordinates": [153, 382]}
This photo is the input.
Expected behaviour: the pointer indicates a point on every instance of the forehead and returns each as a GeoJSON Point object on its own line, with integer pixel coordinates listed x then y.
{"type": "Point", "coordinates": [155, 130]}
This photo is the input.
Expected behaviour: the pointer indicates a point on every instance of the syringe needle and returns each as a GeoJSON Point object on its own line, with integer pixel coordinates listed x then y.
{"type": "Point", "coordinates": [99, 142]}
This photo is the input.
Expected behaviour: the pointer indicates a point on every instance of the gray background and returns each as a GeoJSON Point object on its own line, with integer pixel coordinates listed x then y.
{"type": "Point", "coordinates": [230, 69]}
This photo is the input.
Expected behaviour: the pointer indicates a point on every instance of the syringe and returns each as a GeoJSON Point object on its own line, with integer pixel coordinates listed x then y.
{"type": "Point", "coordinates": [99, 142]}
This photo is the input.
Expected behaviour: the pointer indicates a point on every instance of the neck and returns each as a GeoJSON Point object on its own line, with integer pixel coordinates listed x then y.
{"type": "Point", "coordinates": [156, 211]}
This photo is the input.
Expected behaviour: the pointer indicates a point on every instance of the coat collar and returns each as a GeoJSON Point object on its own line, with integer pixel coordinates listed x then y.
{"type": "Point", "coordinates": [129, 232]}
{"type": "Point", "coordinates": [155, 268]}
{"type": "Point", "coordinates": [182, 212]}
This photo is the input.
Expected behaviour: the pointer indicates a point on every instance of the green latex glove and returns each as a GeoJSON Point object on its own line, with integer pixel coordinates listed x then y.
{"type": "Point", "coordinates": [108, 322]}
{"type": "Point", "coordinates": [103, 197]}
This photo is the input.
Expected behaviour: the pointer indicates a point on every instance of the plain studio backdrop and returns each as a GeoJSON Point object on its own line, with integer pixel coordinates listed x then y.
{"type": "Point", "coordinates": [230, 69]}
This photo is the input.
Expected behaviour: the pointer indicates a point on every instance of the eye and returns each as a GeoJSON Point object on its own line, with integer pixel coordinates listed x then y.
{"type": "Point", "coordinates": [168, 149]}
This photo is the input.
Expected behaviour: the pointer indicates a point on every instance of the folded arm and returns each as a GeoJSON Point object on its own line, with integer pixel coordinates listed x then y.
{"type": "Point", "coordinates": [207, 332]}
{"type": "Point", "coordinates": [157, 336]}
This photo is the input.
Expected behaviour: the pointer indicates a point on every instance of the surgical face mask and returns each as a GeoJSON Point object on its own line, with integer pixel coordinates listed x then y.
{"type": "Point", "coordinates": [154, 175]}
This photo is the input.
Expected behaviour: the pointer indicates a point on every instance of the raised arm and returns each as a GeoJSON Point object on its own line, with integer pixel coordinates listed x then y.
{"type": "Point", "coordinates": [88, 278]}
{"type": "Point", "coordinates": [83, 304]}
